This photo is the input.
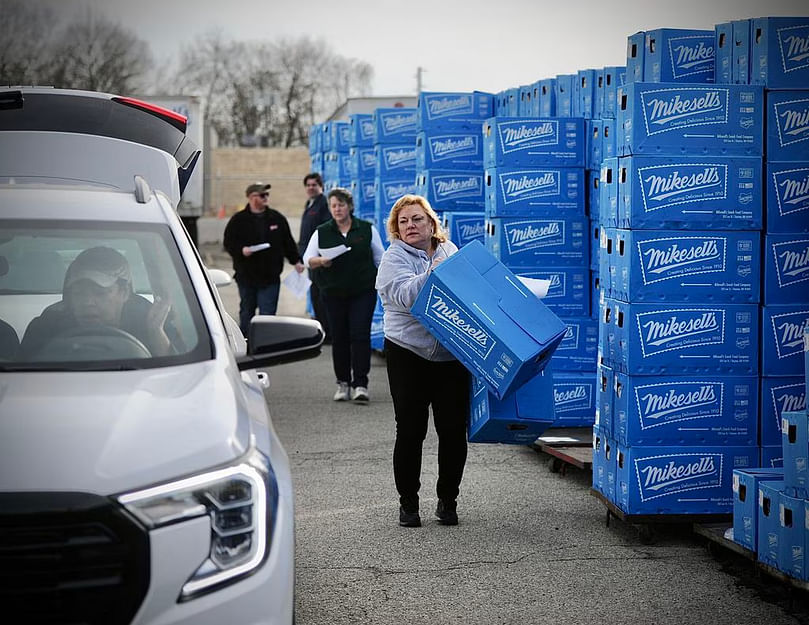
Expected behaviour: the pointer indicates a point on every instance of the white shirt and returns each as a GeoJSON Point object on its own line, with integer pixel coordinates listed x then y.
{"type": "Point", "coordinates": [313, 249]}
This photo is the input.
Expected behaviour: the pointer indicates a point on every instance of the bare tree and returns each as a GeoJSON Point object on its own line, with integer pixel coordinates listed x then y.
{"type": "Point", "coordinates": [26, 29]}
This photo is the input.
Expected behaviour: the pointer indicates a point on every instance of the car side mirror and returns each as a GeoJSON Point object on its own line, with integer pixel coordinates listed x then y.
{"type": "Point", "coordinates": [274, 340]}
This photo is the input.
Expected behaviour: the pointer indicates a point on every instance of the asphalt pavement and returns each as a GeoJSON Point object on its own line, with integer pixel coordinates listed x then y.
{"type": "Point", "coordinates": [531, 547]}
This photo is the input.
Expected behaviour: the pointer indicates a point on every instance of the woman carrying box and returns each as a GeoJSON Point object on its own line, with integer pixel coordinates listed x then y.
{"type": "Point", "coordinates": [421, 372]}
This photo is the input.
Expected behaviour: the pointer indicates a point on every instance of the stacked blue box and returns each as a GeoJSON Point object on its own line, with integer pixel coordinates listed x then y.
{"type": "Point", "coordinates": [364, 193]}
{"type": "Point", "coordinates": [679, 55]}
{"type": "Point", "coordinates": [585, 93]}
{"type": "Point", "coordinates": [394, 125]}
{"type": "Point", "coordinates": [613, 77]}
{"type": "Point", "coordinates": [745, 503]}
{"type": "Point", "coordinates": [769, 500]}
{"type": "Point", "coordinates": [395, 160]}
{"type": "Point", "coordinates": [564, 88]}
{"type": "Point", "coordinates": [335, 138]}
{"type": "Point", "coordinates": [723, 56]}
{"type": "Point", "coordinates": [449, 150]}
{"type": "Point", "coordinates": [316, 148]}
{"type": "Point", "coordinates": [362, 162]}
{"type": "Point", "coordinates": [441, 111]}
{"type": "Point", "coordinates": [386, 192]}
{"type": "Point", "coordinates": [337, 167]}
{"type": "Point", "coordinates": [635, 47]}
{"type": "Point", "coordinates": [778, 52]}
{"type": "Point", "coordinates": [361, 130]}
{"type": "Point", "coordinates": [378, 327]}
{"type": "Point", "coordinates": [464, 227]}
{"type": "Point", "coordinates": [547, 97]}
{"type": "Point", "coordinates": [526, 107]}
{"type": "Point", "coordinates": [740, 71]}
{"type": "Point", "coordinates": [452, 190]}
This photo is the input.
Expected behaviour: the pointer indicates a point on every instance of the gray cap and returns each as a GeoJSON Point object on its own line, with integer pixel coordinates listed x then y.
{"type": "Point", "coordinates": [102, 265]}
{"type": "Point", "coordinates": [257, 187]}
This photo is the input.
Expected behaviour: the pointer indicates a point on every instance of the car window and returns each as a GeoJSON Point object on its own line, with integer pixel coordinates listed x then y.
{"type": "Point", "coordinates": [95, 295]}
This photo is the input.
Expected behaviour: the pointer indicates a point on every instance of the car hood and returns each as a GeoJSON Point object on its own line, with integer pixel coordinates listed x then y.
{"type": "Point", "coordinates": [111, 432]}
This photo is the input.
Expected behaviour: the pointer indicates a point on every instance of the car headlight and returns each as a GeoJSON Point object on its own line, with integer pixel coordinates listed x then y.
{"type": "Point", "coordinates": [241, 501]}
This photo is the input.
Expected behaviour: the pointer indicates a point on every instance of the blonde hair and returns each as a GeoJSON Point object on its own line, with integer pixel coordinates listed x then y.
{"type": "Point", "coordinates": [439, 236]}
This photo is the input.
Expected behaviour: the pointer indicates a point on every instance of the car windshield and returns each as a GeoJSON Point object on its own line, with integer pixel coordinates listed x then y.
{"type": "Point", "coordinates": [97, 296]}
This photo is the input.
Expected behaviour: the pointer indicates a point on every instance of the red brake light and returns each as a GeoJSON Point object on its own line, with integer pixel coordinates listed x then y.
{"type": "Point", "coordinates": [175, 119]}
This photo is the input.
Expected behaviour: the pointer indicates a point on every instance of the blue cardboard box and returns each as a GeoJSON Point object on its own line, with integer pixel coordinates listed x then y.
{"type": "Point", "coordinates": [635, 49]}
{"type": "Point", "coordinates": [463, 228]}
{"type": "Point", "coordinates": [606, 265]}
{"type": "Point", "coordinates": [723, 60]}
{"type": "Point", "coordinates": [579, 348]}
{"type": "Point", "coordinates": [745, 503]}
{"type": "Point", "coordinates": [364, 192]}
{"type": "Point", "coordinates": [806, 355]}
{"type": "Point", "coordinates": [772, 456]}
{"type": "Point", "coordinates": [609, 133]}
{"type": "Point", "coordinates": [685, 410]}
{"type": "Point", "coordinates": [787, 199]}
{"type": "Point", "coordinates": [456, 150]}
{"type": "Point", "coordinates": [510, 106]}
{"type": "Point", "coordinates": [452, 190]}
{"type": "Point", "coordinates": [533, 142]}
{"type": "Point", "coordinates": [569, 291]}
{"type": "Point", "coordinates": [394, 125]}
{"type": "Point", "coordinates": [686, 266]}
{"type": "Point", "coordinates": [526, 107]}
{"type": "Point", "coordinates": [337, 165]}
{"type": "Point", "coordinates": [782, 329]}
{"type": "Point", "coordinates": [363, 162]}
{"type": "Point", "coordinates": [614, 77]}
{"type": "Point", "coordinates": [574, 397]}
{"type": "Point", "coordinates": [787, 125]}
{"type": "Point", "coordinates": [316, 162]}
{"type": "Point", "coordinates": [679, 480]}
{"type": "Point", "coordinates": [690, 192]}
{"type": "Point", "coordinates": [378, 331]}
{"type": "Point", "coordinates": [564, 96]}
{"type": "Point", "coordinates": [609, 193]}
{"type": "Point", "coordinates": [684, 339]}
{"type": "Point", "coordinates": [438, 110]}
{"type": "Point", "coordinates": [361, 130]}
{"type": "Point", "coordinates": [605, 398]}
{"type": "Point", "coordinates": [595, 293]}
{"type": "Point", "coordinates": [592, 177]}
{"type": "Point", "coordinates": [336, 136]}
{"type": "Point", "coordinates": [741, 51]}
{"type": "Point", "coordinates": [547, 97]}
{"type": "Point", "coordinates": [792, 542]}
{"type": "Point", "coordinates": [315, 139]}
{"type": "Point", "coordinates": [679, 55]}
{"type": "Point", "coordinates": [779, 57]}
{"type": "Point", "coordinates": [795, 444]}
{"type": "Point", "coordinates": [779, 395]}
{"type": "Point", "coordinates": [594, 127]}
{"type": "Point", "coordinates": [395, 160]}
{"type": "Point", "coordinates": [786, 269]}
{"type": "Point", "coordinates": [539, 242]}
{"type": "Point", "coordinates": [603, 464]}
{"type": "Point", "coordinates": [386, 192]}
{"type": "Point", "coordinates": [598, 99]}
{"type": "Point", "coordinates": [518, 419]}
{"type": "Point", "coordinates": [525, 192]}
{"type": "Point", "coordinates": [586, 92]}
{"type": "Point", "coordinates": [769, 532]}
{"type": "Point", "coordinates": [483, 314]}
{"type": "Point", "coordinates": [334, 183]}
{"type": "Point", "coordinates": [678, 118]}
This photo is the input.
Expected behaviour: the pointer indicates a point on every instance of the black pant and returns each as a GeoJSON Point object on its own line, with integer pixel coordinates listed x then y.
{"type": "Point", "coordinates": [415, 385]}
{"type": "Point", "coordinates": [350, 322]}
{"type": "Point", "coordinates": [320, 310]}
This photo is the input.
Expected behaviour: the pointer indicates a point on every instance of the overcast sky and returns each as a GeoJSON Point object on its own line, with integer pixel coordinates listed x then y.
{"type": "Point", "coordinates": [462, 45]}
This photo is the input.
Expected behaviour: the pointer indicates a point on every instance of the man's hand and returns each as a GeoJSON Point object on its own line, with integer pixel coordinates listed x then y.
{"type": "Point", "coordinates": [299, 267]}
{"type": "Point", "coordinates": [246, 251]}
{"type": "Point", "coordinates": [159, 342]}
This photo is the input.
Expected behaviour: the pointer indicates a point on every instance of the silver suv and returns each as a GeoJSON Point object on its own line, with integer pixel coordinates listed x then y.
{"type": "Point", "coordinates": [141, 479]}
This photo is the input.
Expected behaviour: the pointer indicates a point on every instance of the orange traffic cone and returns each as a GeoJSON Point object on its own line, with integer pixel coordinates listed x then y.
{"type": "Point", "coordinates": [221, 213]}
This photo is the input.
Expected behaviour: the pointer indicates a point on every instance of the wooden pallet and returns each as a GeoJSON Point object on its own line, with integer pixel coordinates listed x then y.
{"type": "Point", "coordinates": [567, 447]}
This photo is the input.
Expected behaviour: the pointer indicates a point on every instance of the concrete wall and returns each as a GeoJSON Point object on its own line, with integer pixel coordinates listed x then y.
{"type": "Point", "coordinates": [232, 169]}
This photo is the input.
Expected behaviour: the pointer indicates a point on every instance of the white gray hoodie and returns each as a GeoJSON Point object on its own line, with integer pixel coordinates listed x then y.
{"type": "Point", "coordinates": [399, 278]}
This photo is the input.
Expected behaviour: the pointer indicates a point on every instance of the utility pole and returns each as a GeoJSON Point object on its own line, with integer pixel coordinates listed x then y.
{"type": "Point", "coordinates": [419, 71]}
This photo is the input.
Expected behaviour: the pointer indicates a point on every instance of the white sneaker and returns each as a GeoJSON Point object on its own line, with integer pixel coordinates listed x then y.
{"type": "Point", "coordinates": [360, 394]}
{"type": "Point", "coordinates": [341, 394]}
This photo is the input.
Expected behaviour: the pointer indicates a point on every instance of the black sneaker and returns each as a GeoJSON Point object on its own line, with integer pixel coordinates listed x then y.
{"type": "Point", "coordinates": [446, 513]}
{"type": "Point", "coordinates": [409, 519]}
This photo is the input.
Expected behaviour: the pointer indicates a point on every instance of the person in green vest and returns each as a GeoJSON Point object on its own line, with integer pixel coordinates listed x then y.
{"type": "Point", "coordinates": [347, 250]}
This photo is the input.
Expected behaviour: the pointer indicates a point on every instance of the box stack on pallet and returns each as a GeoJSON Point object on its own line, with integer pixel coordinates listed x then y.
{"type": "Point", "coordinates": [681, 210]}
{"type": "Point", "coordinates": [771, 503]}
{"type": "Point", "coordinates": [449, 159]}
{"type": "Point", "coordinates": [335, 140]}
{"type": "Point", "coordinates": [316, 148]}
{"type": "Point", "coordinates": [363, 164]}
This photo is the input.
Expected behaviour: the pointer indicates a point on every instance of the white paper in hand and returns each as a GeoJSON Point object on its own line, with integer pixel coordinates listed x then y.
{"type": "Point", "coordinates": [258, 247]}
{"type": "Point", "coordinates": [298, 283]}
{"type": "Point", "coordinates": [537, 286]}
{"type": "Point", "coordinates": [333, 252]}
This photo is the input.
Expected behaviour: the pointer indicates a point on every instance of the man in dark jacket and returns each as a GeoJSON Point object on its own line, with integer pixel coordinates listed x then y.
{"type": "Point", "coordinates": [258, 239]}
{"type": "Point", "coordinates": [315, 213]}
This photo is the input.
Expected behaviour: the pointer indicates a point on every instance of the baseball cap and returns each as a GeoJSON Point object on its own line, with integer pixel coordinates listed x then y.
{"type": "Point", "coordinates": [102, 265]}
{"type": "Point", "coordinates": [257, 187]}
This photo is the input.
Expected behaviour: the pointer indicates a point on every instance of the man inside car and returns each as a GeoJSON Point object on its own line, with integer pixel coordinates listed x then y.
{"type": "Point", "coordinates": [98, 294]}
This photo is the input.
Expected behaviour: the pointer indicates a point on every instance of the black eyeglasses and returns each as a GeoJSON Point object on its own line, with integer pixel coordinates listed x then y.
{"type": "Point", "coordinates": [265, 194]}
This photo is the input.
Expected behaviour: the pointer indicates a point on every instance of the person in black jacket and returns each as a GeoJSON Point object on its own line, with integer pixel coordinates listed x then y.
{"type": "Point", "coordinates": [315, 213]}
{"type": "Point", "coordinates": [258, 239]}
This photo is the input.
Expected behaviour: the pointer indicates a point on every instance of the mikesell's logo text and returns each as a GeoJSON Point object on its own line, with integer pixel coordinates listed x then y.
{"type": "Point", "coordinates": [792, 188]}
{"type": "Point", "coordinates": [789, 333]}
{"type": "Point", "coordinates": [531, 184]}
{"type": "Point", "coordinates": [681, 401]}
{"type": "Point", "coordinates": [792, 261]}
{"type": "Point", "coordinates": [675, 184]}
{"type": "Point", "coordinates": [449, 314]}
{"type": "Point", "coordinates": [394, 122]}
{"type": "Point", "coordinates": [535, 234]}
{"type": "Point", "coordinates": [662, 257]}
{"type": "Point", "coordinates": [471, 230]}
{"type": "Point", "coordinates": [440, 106]}
{"type": "Point", "coordinates": [793, 121]}
{"type": "Point", "coordinates": [794, 44]}
{"type": "Point", "coordinates": [394, 191]}
{"type": "Point", "coordinates": [570, 340]}
{"type": "Point", "coordinates": [444, 147]}
{"type": "Point", "coordinates": [793, 400]}
{"type": "Point", "coordinates": [689, 106]}
{"type": "Point", "coordinates": [400, 157]}
{"type": "Point", "coordinates": [568, 397]}
{"type": "Point", "coordinates": [458, 186]}
{"type": "Point", "coordinates": [693, 58]}
{"type": "Point", "coordinates": [522, 134]}
{"type": "Point", "coordinates": [678, 473]}
{"type": "Point", "coordinates": [367, 129]}
{"type": "Point", "coordinates": [677, 329]}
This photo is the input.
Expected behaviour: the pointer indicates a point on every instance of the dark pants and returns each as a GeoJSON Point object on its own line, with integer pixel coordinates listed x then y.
{"type": "Point", "coordinates": [265, 298]}
{"type": "Point", "coordinates": [415, 385]}
{"type": "Point", "coordinates": [350, 323]}
{"type": "Point", "coordinates": [320, 310]}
